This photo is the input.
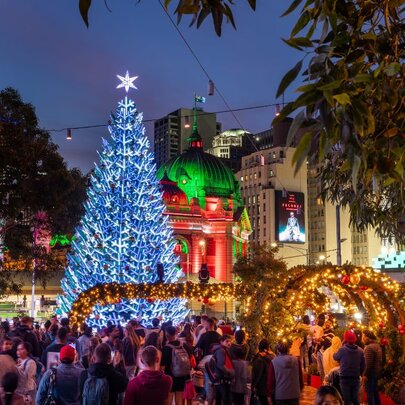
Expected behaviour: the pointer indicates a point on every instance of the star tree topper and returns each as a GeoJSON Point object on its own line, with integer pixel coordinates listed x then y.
{"type": "Point", "coordinates": [127, 82]}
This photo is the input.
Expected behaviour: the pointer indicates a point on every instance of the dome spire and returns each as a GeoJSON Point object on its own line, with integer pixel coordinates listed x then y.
{"type": "Point", "coordinates": [195, 138]}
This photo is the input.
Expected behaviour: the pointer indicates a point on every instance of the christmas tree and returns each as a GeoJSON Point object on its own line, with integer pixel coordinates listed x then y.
{"type": "Point", "coordinates": [123, 236]}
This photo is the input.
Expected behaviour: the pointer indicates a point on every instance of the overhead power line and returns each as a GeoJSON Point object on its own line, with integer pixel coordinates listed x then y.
{"type": "Point", "coordinates": [201, 113]}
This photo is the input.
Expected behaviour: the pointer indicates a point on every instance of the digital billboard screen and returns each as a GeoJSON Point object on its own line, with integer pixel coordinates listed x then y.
{"type": "Point", "coordinates": [290, 217]}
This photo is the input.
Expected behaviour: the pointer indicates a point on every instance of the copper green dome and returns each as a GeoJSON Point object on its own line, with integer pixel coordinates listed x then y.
{"type": "Point", "coordinates": [201, 174]}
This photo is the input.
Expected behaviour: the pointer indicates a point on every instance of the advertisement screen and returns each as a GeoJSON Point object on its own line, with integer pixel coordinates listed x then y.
{"type": "Point", "coordinates": [290, 217]}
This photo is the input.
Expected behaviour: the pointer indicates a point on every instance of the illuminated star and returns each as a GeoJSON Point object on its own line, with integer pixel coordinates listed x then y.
{"type": "Point", "coordinates": [127, 82]}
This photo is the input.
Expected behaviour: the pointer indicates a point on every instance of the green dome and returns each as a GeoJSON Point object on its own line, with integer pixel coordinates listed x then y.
{"type": "Point", "coordinates": [201, 175]}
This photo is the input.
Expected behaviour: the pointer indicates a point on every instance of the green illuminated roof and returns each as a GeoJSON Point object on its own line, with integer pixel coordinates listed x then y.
{"type": "Point", "coordinates": [201, 175]}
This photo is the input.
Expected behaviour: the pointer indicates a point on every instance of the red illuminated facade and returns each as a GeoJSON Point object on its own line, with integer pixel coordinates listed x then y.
{"type": "Point", "coordinates": [203, 202]}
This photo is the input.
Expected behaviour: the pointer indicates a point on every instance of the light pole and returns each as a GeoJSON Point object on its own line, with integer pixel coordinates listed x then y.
{"type": "Point", "coordinates": [303, 251]}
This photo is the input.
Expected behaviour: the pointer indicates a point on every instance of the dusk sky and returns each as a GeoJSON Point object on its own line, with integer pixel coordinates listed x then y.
{"type": "Point", "coordinates": [68, 72]}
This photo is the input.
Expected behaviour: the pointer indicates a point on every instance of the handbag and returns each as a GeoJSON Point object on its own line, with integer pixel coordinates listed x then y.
{"type": "Point", "coordinates": [189, 390]}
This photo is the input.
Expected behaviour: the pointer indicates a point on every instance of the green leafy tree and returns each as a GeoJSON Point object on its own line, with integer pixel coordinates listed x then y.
{"type": "Point", "coordinates": [264, 277]}
{"type": "Point", "coordinates": [33, 178]}
{"type": "Point", "coordinates": [352, 106]}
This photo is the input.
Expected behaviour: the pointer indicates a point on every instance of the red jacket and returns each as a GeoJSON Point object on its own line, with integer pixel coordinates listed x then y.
{"type": "Point", "coordinates": [149, 387]}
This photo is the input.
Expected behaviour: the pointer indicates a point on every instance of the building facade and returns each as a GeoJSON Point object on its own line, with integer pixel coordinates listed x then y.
{"type": "Point", "coordinates": [231, 145]}
{"type": "Point", "coordinates": [172, 131]}
{"type": "Point", "coordinates": [270, 194]}
{"type": "Point", "coordinates": [207, 216]}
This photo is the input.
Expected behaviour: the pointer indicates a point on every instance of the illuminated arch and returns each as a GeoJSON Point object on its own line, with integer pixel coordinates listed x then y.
{"type": "Point", "coordinates": [363, 290]}
{"type": "Point", "coordinates": [113, 293]}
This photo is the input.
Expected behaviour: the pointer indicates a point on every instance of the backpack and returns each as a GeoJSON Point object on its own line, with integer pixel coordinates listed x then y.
{"type": "Point", "coordinates": [181, 365]}
{"type": "Point", "coordinates": [40, 369]}
{"type": "Point", "coordinates": [96, 391]}
{"type": "Point", "coordinates": [212, 370]}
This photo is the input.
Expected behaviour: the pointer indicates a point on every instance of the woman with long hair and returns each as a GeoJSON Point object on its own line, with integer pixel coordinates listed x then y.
{"type": "Point", "coordinates": [186, 335]}
{"type": "Point", "coordinates": [93, 343]}
{"type": "Point", "coordinates": [27, 369]}
{"type": "Point", "coordinates": [131, 343]}
{"type": "Point", "coordinates": [8, 395]}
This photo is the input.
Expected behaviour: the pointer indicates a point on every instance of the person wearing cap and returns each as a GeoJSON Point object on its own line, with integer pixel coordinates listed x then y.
{"type": "Point", "coordinates": [67, 380]}
{"type": "Point", "coordinates": [352, 366]}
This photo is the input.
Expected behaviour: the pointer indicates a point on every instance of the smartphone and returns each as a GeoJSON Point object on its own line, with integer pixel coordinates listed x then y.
{"type": "Point", "coordinates": [112, 355]}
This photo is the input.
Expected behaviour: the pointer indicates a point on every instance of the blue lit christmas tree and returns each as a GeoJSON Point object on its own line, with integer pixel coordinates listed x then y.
{"type": "Point", "coordinates": [123, 236]}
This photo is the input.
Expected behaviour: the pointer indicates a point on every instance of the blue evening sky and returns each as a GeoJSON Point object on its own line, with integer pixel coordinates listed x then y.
{"type": "Point", "coordinates": [68, 72]}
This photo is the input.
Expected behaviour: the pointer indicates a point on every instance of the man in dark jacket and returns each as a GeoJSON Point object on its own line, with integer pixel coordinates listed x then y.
{"type": "Point", "coordinates": [285, 380]}
{"type": "Point", "coordinates": [225, 369]}
{"type": "Point", "coordinates": [352, 365]}
{"type": "Point", "coordinates": [151, 386]}
{"type": "Point", "coordinates": [24, 332]}
{"type": "Point", "coordinates": [260, 367]}
{"type": "Point", "coordinates": [373, 357]}
{"type": "Point", "coordinates": [103, 368]}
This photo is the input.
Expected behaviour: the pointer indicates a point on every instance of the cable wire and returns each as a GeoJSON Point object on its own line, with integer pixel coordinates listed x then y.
{"type": "Point", "coordinates": [205, 71]}
{"type": "Point", "coordinates": [155, 119]}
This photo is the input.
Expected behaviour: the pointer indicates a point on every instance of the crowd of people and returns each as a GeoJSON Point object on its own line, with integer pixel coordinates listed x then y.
{"type": "Point", "coordinates": [202, 360]}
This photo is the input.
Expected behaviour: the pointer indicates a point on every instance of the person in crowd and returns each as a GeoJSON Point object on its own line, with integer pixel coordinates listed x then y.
{"type": "Point", "coordinates": [113, 334]}
{"type": "Point", "coordinates": [9, 384]}
{"type": "Point", "coordinates": [94, 342]}
{"type": "Point", "coordinates": [328, 395]}
{"type": "Point", "coordinates": [154, 327]}
{"type": "Point", "coordinates": [7, 362]}
{"type": "Point", "coordinates": [217, 328]}
{"type": "Point", "coordinates": [207, 339]}
{"type": "Point", "coordinates": [131, 344]}
{"type": "Point", "coordinates": [27, 369]}
{"type": "Point", "coordinates": [104, 368]}
{"type": "Point", "coordinates": [239, 345]}
{"type": "Point", "coordinates": [260, 367]}
{"type": "Point", "coordinates": [153, 340]}
{"type": "Point", "coordinates": [242, 377]}
{"type": "Point", "coordinates": [373, 358]}
{"type": "Point", "coordinates": [352, 366]}
{"type": "Point", "coordinates": [332, 378]}
{"type": "Point", "coordinates": [138, 328]}
{"type": "Point", "coordinates": [317, 333]}
{"type": "Point", "coordinates": [142, 390]}
{"type": "Point", "coordinates": [226, 327]}
{"type": "Point", "coordinates": [285, 379]}
{"type": "Point", "coordinates": [50, 356]}
{"type": "Point", "coordinates": [305, 328]}
{"type": "Point", "coordinates": [174, 364]}
{"type": "Point", "coordinates": [105, 335]}
{"type": "Point", "coordinates": [201, 327]}
{"type": "Point", "coordinates": [327, 358]}
{"type": "Point", "coordinates": [24, 331]}
{"type": "Point", "coordinates": [225, 371]}
{"type": "Point", "coordinates": [65, 380]}
{"type": "Point", "coordinates": [82, 346]}
{"type": "Point", "coordinates": [186, 335]}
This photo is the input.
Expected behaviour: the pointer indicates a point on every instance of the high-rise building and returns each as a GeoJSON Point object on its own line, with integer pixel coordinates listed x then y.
{"type": "Point", "coordinates": [231, 145]}
{"type": "Point", "coordinates": [276, 202]}
{"type": "Point", "coordinates": [173, 130]}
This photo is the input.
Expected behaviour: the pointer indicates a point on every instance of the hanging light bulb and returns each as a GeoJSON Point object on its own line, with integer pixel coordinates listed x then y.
{"type": "Point", "coordinates": [211, 88]}
{"type": "Point", "coordinates": [278, 110]}
{"type": "Point", "coordinates": [186, 121]}
{"type": "Point", "coordinates": [69, 134]}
